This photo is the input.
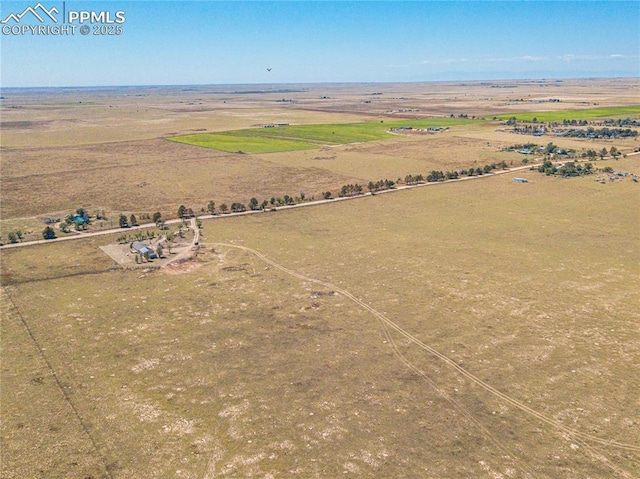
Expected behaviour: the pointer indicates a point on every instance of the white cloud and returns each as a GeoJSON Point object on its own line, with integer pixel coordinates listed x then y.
{"type": "Point", "coordinates": [523, 58]}
{"type": "Point", "coordinates": [569, 57]}
{"type": "Point", "coordinates": [445, 61]}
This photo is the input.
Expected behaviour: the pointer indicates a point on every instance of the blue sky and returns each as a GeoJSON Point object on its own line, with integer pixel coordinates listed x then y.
{"type": "Point", "coordinates": [210, 42]}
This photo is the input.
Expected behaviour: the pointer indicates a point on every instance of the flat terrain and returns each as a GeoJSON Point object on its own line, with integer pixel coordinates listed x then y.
{"type": "Point", "coordinates": [481, 328]}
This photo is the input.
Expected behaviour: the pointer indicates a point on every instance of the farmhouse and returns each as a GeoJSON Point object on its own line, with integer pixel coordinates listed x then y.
{"type": "Point", "coordinates": [79, 219]}
{"type": "Point", "coordinates": [141, 248]}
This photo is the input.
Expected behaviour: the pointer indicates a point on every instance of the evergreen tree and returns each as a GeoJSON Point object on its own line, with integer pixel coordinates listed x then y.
{"type": "Point", "coordinates": [48, 233]}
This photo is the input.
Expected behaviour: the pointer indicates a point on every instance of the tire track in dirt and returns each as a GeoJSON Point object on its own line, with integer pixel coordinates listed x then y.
{"type": "Point", "coordinates": [450, 362]}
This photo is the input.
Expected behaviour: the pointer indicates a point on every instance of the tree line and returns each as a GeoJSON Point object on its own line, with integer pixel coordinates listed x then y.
{"type": "Point", "coordinates": [599, 133]}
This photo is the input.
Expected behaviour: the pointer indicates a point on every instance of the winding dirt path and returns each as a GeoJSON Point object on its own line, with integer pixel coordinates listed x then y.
{"type": "Point", "coordinates": [188, 252]}
{"type": "Point", "coordinates": [386, 324]}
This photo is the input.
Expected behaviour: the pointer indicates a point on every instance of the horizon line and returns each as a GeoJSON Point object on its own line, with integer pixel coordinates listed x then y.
{"type": "Point", "coordinates": [168, 85]}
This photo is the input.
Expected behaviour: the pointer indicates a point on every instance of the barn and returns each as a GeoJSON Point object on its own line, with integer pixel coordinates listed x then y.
{"type": "Point", "coordinates": [143, 249]}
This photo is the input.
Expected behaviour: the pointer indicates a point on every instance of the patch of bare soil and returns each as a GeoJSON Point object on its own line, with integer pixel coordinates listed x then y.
{"type": "Point", "coordinates": [181, 267]}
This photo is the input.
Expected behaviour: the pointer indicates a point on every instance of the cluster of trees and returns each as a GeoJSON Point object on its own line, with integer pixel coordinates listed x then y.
{"type": "Point", "coordinates": [350, 190]}
{"type": "Point", "coordinates": [79, 220]}
{"type": "Point", "coordinates": [567, 170]}
{"type": "Point", "coordinates": [157, 219]}
{"type": "Point", "coordinates": [380, 185]}
{"type": "Point", "coordinates": [620, 122]}
{"type": "Point", "coordinates": [462, 115]}
{"type": "Point", "coordinates": [184, 212]}
{"type": "Point", "coordinates": [15, 236]}
{"type": "Point", "coordinates": [614, 152]}
{"type": "Point", "coordinates": [238, 208]}
{"type": "Point", "coordinates": [137, 236]}
{"type": "Point", "coordinates": [125, 222]}
{"type": "Point", "coordinates": [523, 146]}
{"type": "Point", "coordinates": [530, 130]}
{"type": "Point", "coordinates": [284, 201]}
{"type": "Point", "coordinates": [413, 180]}
{"type": "Point", "coordinates": [572, 123]}
{"type": "Point", "coordinates": [591, 132]}
{"type": "Point", "coordinates": [482, 170]}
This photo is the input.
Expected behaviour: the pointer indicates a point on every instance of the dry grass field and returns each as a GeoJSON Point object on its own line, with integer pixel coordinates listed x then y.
{"type": "Point", "coordinates": [104, 150]}
{"type": "Point", "coordinates": [481, 329]}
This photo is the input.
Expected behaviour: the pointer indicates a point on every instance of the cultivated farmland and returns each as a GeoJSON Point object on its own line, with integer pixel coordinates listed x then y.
{"type": "Point", "coordinates": [305, 137]}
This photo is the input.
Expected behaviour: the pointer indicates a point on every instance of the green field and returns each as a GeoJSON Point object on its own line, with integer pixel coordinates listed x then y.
{"type": "Point", "coordinates": [606, 112]}
{"type": "Point", "coordinates": [305, 137]}
{"type": "Point", "coordinates": [237, 143]}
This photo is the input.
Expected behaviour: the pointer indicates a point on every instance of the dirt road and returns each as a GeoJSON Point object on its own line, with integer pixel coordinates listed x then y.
{"type": "Point", "coordinates": [188, 252]}
{"type": "Point", "coordinates": [299, 205]}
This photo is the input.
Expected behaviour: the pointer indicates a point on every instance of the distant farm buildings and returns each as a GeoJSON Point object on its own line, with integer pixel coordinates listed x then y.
{"type": "Point", "coordinates": [410, 129]}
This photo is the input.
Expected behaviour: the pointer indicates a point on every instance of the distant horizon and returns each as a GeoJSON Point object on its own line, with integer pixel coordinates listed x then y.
{"type": "Point", "coordinates": [295, 42]}
{"type": "Point", "coordinates": [182, 85]}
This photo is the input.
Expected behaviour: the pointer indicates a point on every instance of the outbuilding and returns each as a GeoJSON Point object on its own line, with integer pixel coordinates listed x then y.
{"type": "Point", "coordinates": [143, 249]}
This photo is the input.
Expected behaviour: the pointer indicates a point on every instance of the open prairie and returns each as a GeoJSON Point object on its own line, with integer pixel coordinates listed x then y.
{"type": "Point", "coordinates": [481, 328]}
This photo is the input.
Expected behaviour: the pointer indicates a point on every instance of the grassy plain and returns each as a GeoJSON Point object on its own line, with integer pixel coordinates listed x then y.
{"type": "Point", "coordinates": [233, 367]}
{"type": "Point", "coordinates": [106, 150]}
{"type": "Point", "coordinates": [236, 369]}
{"type": "Point", "coordinates": [586, 114]}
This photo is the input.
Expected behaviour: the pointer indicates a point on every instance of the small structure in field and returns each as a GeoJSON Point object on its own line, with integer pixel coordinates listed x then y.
{"type": "Point", "coordinates": [80, 219]}
{"type": "Point", "coordinates": [143, 249]}
{"type": "Point", "coordinates": [520, 180]}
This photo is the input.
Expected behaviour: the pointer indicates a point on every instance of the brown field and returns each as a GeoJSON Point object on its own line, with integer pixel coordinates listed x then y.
{"type": "Point", "coordinates": [481, 329]}
{"type": "Point", "coordinates": [104, 149]}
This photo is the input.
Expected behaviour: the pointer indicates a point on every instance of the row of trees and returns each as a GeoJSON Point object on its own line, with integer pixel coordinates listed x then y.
{"type": "Point", "coordinates": [592, 154]}
{"type": "Point", "coordinates": [131, 220]}
{"type": "Point", "coordinates": [237, 207]}
{"type": "Point", "coordinates": [620, 122]}
{"type": "Point", "coordinates": [380, 185]}
{"type": "Point", "coordinates": [137, 236]}
{"type": "Point", "coordinates": [601, 133]}
{"type": "Point", "coordinates": [433, 176]}
{"type": "Point", "coordinates": [350, 190]}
